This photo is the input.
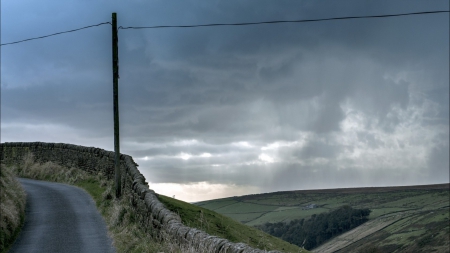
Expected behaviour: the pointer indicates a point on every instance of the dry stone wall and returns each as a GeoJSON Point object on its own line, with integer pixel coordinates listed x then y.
{"type": "Point", "coordinates": [153, 215]}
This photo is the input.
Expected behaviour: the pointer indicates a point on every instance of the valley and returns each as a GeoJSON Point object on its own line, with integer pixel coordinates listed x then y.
{"type": "Point", "coordinates": [403, 218]}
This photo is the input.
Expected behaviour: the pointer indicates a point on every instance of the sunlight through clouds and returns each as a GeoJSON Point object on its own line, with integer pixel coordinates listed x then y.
{"type": "Point", "coordinates": [266, 158]}
{"type": "Point", "coordinates": [201, 191]}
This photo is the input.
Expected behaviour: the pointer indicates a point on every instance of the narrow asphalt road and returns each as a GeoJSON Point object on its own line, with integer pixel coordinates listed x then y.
{"type": "Point", "coordinates": [60, 218]}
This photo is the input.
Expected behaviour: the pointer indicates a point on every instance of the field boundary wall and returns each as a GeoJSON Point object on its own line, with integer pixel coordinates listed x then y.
{"type": "Point", "coordinates": [153, 215]}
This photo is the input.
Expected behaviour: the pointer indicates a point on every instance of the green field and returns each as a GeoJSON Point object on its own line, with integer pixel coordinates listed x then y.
{"type": "Point", "coordinates": [421, 213]}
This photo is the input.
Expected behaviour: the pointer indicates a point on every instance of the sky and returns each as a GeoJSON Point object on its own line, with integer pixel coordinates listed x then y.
{"type": "Point", "coordinates": [215, 112]}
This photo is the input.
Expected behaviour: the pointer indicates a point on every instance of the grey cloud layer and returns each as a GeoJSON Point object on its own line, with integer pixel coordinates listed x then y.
{"type": "Point", "coordinates": [351, 86]}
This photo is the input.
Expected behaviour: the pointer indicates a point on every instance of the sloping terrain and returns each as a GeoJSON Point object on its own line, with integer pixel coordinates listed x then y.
{"type": "Point", "coordinates": [219, 225]}
{"type": "Point", "coordinates": [408, 231]}
{"type": "Point", "coordinates": [402, 218]}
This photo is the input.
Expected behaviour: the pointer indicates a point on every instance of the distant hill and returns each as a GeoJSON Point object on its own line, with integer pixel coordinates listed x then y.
{"type": "Point", "coordinates": [418, 214]}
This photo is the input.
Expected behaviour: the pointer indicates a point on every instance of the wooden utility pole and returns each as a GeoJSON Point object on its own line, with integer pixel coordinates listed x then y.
{"type": "Point", "coordinates": [115, 56]}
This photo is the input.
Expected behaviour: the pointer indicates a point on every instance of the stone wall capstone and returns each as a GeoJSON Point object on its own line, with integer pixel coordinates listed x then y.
{"type": "Point", "coordinates": [153, 215]}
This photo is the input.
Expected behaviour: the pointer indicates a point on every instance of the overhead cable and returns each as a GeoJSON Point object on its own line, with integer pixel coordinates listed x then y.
{"type": "Point", "coordinates": [233, 24]}
{"type": "Point", "coordinates": [45, 36]}
{"type": "Point", "coordinates": [281, 21]}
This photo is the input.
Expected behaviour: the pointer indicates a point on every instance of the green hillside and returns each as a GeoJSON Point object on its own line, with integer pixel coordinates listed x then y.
{"type": "Point", "coordinates": [412, 213]}
{"type": "Point", "coordinates": [219, 225]}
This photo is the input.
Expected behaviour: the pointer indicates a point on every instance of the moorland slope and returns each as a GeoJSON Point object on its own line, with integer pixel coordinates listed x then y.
{"type": "Point", "coordinates": [403, 219]}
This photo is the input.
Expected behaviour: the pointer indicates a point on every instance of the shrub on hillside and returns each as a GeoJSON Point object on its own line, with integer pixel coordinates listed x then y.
{"type": "Point", "coordinates": [312, 232]}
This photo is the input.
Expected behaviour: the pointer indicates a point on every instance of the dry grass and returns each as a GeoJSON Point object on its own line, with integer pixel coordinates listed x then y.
{"type": "Point", "coordinates": [120, 217]}
{"type": "Point", "coordinates": [12, 208]}
{"type": "Point", "coordinates": [48, 171]}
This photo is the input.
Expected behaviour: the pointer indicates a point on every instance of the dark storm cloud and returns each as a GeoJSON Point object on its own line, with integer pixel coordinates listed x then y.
{"type": "Point", "coordinates": [378, 94]}
{"type": "Point", "coordinates": [196, 49]}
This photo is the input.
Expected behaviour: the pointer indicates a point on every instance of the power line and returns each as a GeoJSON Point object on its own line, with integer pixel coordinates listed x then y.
{"type": "Point", "coordinates": [232, 24]}
{"type": "Point", "coordinates": [281, 21]}
{"type": "Point", "coordinates": [41, 37]}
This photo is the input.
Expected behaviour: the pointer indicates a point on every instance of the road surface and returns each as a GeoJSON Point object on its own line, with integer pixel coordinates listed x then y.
{"type": "Point", "coordinates": [60, 218]}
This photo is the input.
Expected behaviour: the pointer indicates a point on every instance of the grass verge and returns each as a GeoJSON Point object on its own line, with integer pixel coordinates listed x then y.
{"type": "Point", "coordinates": [12, 208]}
